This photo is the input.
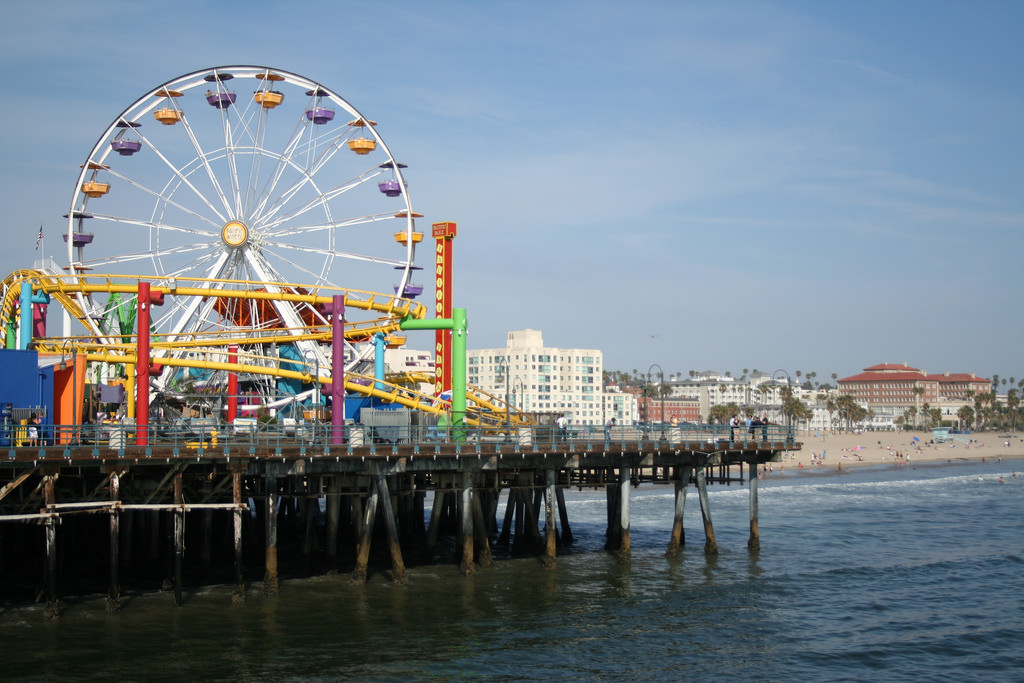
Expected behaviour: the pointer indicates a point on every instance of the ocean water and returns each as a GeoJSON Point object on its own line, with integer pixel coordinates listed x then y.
{"type": "Point", "coordinates": [881, 574]}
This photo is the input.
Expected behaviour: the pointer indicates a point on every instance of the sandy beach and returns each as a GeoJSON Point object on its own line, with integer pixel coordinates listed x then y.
{"type": "Point", "coordinates": [841, 451]}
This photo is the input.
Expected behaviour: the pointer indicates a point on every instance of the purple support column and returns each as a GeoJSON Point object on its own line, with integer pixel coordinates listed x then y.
{"type": "Point", "coordinates": [338, 370]}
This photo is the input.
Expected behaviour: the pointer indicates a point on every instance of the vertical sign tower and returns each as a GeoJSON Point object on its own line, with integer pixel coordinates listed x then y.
{"type": "Point", "coordinates": [444, 233]}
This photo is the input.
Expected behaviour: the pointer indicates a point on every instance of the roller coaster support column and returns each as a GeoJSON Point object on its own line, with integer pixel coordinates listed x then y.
{"type": "Point", "coordinates": [28, 302]}
{"type": "Point", "coordinates": [25, 301]}
{"type": "Point", "coordinates": [336, 309]}
{"type": "Point", "coordinates": [142, 366]}
{"type": "Point", "coordinates": [457, 324]}
{"type": "Point", "coordinates": [380, 343]}
{"type": "Point", "coordinates": [232, 385]}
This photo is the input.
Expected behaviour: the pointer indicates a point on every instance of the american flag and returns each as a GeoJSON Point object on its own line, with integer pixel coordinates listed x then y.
{"type": "Point", "coordinates": [39, 237]}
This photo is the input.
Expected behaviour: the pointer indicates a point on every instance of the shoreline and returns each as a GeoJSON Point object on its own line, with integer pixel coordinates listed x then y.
{"type": "Point", "coordinates": [830, 454]}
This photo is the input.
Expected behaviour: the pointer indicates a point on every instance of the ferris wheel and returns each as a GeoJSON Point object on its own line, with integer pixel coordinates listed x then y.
{"type": "Point", "coordinates": [253, 178]}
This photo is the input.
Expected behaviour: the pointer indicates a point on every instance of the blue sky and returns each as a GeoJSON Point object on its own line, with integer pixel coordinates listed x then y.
{"type": "Point", "coordinates": [815, 186]}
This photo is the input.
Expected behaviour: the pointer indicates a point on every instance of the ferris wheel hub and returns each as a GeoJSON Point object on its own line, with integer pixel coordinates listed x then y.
{"type": "Point", "coordinates": [234, 234]}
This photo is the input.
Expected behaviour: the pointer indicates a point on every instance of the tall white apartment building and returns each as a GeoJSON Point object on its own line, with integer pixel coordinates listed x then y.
{"type": "Point", "coordinates": [547, 380]}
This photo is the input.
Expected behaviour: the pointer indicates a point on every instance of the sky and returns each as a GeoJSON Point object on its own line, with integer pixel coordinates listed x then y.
{"type": "Point", "coordinates": [727, 185]}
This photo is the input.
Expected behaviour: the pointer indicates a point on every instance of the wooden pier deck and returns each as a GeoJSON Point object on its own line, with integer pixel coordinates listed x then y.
{"type": "Point", "coordinates": [127, 510]}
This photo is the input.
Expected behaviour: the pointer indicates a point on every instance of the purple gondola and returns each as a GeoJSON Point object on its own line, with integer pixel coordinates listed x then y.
{"type": "Point", "coordinates": [126, 148]}
{"type": "Point", "coordinates": [319, 115]}
{"type": "Point", "coordinates": [391, 188]}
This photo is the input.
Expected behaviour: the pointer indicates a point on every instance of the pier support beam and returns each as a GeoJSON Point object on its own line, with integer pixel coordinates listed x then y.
{"type": "Point", "coordinates": [624, 552]}
{"type": "Point", "coordinates": [678, 539]}
{"type": "Point", "coordinates": [567, 537]}
{"type": "Point", "coordinates": [179, 535]}
{"type": "Point", "coordinates": [271, 583]}
{"type": "Point", "coordinates": [52, 601]}
{"type": "Point", "coordinates": [238, 593]}
{"type": "Point", "coordinates": [395, 547]}
{"type": "Point", "coordinates": [114, 590]}
{"type": "Point", "coordinates": [436, 513]}
{"type": "Point", "coordinates": [550, 530]}
{"type": "Point", "coordinates": [333, 514]}
{"type": "Point", "coordinates": [481, 532]}
{"type": "Point", "coordinates": [365, 537]}
{"type": "Point", "coordinates": [466, 525]}
{"type": "Point", "coordinates": [754, 542]}
{"type": "Point", "coordinates": [710, 545]}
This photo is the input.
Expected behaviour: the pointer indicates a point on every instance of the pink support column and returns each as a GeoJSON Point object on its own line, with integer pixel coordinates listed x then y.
{"type": "Point", "coordinates": [38, 320]}
{"type": "Point", "coordinates": [142, 369]}
{"type": "Point", "coordinates": [232, 385]}
{"type": "Point", "coordinates": [338, 370]}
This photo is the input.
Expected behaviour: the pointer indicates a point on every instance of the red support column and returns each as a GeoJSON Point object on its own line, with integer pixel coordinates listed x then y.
{"type": "Point", "coordinates": [143, 369]}
{"type": "Point", "coordinates": [444, 233]}
{"type": "Point", "coordinates": [232, 385]}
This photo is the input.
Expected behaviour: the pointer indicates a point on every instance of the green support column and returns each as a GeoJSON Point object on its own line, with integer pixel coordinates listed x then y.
{"type": "Point", "coordinates": [460, 328]}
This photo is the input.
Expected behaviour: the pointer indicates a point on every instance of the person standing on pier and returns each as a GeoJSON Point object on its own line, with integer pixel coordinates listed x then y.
{"type": "Point", "coordinates": [561, 427]}
{"type": "Point", "coordinates": [608, 429]}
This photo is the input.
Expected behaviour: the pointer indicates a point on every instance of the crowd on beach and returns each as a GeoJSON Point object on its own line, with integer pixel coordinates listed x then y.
{"type": "Point", "coordinates": [839, 451]}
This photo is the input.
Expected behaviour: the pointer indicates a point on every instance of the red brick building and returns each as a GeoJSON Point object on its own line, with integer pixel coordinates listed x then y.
{"type": "Point", "coordinates": [676, 409]}
{"type": "Point", "coordinates": [893, 385]}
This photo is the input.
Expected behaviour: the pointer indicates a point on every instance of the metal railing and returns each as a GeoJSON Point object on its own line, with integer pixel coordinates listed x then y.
{"type": "Point", "coordinates": [188, 436]}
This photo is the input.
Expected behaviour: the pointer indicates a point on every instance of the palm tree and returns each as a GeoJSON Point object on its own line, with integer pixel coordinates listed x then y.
{"type": "Point", "coordinates": [1013, 402]}
{"type": "Point", "coordinates": [918, 392]}
{"type": "Point", "coordinates": [966, 415]}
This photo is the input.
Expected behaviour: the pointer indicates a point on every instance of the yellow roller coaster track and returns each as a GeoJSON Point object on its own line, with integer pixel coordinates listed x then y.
{"type": "Point", "coordinates": [483, 409]}
{"type": "Point", "coordinates": [63, 289]}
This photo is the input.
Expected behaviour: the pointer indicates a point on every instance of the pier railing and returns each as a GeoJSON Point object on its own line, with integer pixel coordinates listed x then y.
{"type": "Point", "coordinates": [185, 437]}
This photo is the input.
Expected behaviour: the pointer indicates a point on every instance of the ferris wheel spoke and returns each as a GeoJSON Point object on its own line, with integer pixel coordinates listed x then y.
{"type": "Point", "coordinates": [321, 198]}
{"type": "Point", "coordinates": [232, 162]}
{"type": "Point", "coordinates": [336, 254]}
{"type": "Point", "coordinates": [316, 276]}
{"type": "Point", "coordinates": [193, 305]}
{"type": "Point", "coordinates": [183, 177]}
{"type": "Point", "coordinates": [142, 256]}
{"type": "Point", "coordinates": [330, 226]}
{"type": "Point", "coordinates": [165, 199]}
{"type": "Point", "coordinates": [124, 220]}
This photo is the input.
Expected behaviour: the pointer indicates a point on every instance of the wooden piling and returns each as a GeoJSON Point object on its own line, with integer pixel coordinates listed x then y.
{"type": "Point", "coordinates": [365, 537]}
{"type": "Point", "coordinates": [625, 474]}
{"type": "Point", "coordinates": [394, 546]}
{"type": "Point", "coordinates": [563, 513]}
{"type": "Point", "coordinates": [481, 533]}
{"type": "Point", "coordinates": [754, 542]}
{"type": "Point", "coordinates": [271, 583]}
{"type": "Point", "coordinates": [550, 531]}
{"type": "Point", "coordinates": [678, 537]}
{"type": "Point", "coordinates": [710, 545]}
{"type": "Point", "coordinates": [179, 536]}
{"type": "Point", "coordinates": [333, 513]}
{"type": "Point", "coordinates": [114, 589]}
{"type": "Point", "coordinates": [52, 600]}
{"type": "Point", "coordinates": [238, 593]}
{"type": "Point", "coordinates": [466, 510]}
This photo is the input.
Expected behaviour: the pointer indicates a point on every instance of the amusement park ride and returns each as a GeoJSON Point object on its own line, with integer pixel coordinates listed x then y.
{"type": "Point", "coordinates": [212, 243]}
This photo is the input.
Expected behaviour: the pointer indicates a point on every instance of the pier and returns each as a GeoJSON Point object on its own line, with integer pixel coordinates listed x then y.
{"type": "Point", "coordinates": [217, 506]}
